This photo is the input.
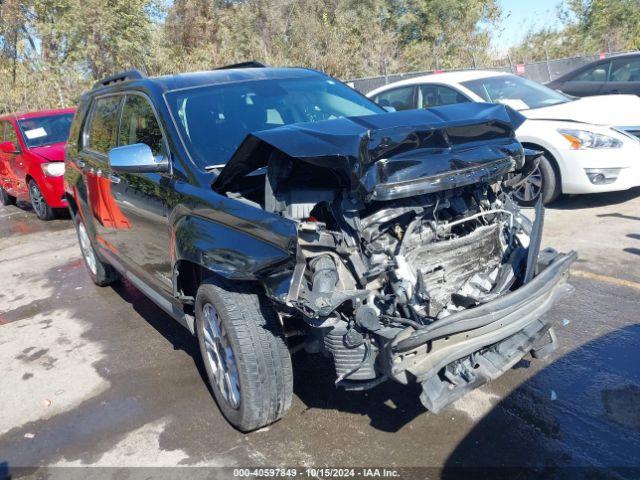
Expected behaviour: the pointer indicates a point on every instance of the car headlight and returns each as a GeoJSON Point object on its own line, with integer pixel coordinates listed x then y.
{"type": "Point", "coordinates": [53, 169]}
{"type": "Point", "coordinates": [581, 139]}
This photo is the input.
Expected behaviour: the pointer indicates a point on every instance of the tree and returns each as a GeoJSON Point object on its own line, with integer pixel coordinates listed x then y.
{"type": "Point", "coordinates": [587, 27]}
{"type": "Point", "coordinates": [54, 49]}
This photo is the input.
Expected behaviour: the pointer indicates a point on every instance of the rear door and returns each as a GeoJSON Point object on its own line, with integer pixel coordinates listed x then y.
{"type": "Point", "coordinates": [587, 81]}
{"type": "Point", "coordinates": [401, 98]}
{"type": "Point", "coordinates": [434, 95]}
{"type": "Point", "coordinates": [100, 135]}
{"type": "Point", "coordinates": [624, 77]}
{"type": "Point", "coordinates": [144, 198]}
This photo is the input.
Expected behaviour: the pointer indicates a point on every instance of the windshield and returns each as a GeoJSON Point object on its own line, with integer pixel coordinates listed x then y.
{"type": "Point", "coordinates": [39, 131]}
{"type": "Point", "coordinates": [214, 120]}
{"type": "Point", "coordinates": [517, 92]}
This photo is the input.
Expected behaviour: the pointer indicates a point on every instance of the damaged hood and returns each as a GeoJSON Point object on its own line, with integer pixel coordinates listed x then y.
{"type": "Point", "coordinates": [53, 152]}
{"type": "Point", "coordinates": [395, 154]}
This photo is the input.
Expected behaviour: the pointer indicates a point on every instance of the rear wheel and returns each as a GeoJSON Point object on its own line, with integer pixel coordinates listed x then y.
{"type": "Point", "coordinates": [245, 356]}
{"type": "Point", "coordinates": [100, 272]}
{"type": "Point", "coordinates": [5, 198]}
{"type": "Point", "coordinates": [39, 204]}
{"type": "Point", "coordinates": [542, 182]}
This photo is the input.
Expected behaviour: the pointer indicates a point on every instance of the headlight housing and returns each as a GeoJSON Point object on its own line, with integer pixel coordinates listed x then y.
{"type": "Point", "coordinates": [53, 169]}
{"type": "Point", "coordinates": [581, 139]}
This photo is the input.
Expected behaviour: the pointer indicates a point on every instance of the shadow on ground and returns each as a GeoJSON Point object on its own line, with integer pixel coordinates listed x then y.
{"type": "Point", "coordinates": [584, 410]}
{"type": "Point", "coordinates": [593, 200]}
{"type": "Point", "coordinates": [389, 406]}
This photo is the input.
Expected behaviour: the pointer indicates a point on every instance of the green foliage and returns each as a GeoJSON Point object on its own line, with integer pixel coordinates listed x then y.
{"type": "Point", "coordinates": [53, 50]}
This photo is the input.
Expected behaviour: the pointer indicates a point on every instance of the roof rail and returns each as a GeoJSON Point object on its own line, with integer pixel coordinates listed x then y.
{"type": "Point", "coordinates": [249, 64]}
{"type": "Point", "coordinates": [120, 77]}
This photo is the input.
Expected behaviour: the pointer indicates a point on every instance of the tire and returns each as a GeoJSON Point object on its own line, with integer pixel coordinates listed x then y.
{"type": "Point", "coordinates": [5, 198]}
{"type": "Point", "coordinates": [39, 204]}
{"type": "Point", "coordinates": [256, 378]}
{"type": "Point", "coordinates": [548, 185]}
{"type": "Point", "coordinates": [101, 273]}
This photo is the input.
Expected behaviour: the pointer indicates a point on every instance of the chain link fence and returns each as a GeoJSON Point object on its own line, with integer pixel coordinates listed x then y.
{"type": "Point", "coordinates": [541, 72]}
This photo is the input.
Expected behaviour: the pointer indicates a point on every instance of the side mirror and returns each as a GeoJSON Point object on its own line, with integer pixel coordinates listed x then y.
{"type": "Point", "coordinates": [8, 147]}
{"type": "Point", "coordinates": [136, 158]}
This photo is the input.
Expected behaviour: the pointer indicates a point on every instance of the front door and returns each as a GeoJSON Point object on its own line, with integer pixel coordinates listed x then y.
{"type": "Point", "coordinates": [143, 198]}
{"type": "Point", "coordinates": [100, 135]}
{"type": "Point", "coordinates": [12, 168]}
{"type": "Point", "coordinates": [588, 81]}
{"type": "Point", "coordinates": [625, 77]}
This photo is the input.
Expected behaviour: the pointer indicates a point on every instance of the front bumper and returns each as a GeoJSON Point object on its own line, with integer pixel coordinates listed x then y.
{"type": "Point", "coordinates": [471, 347]}
{"type": "Point", "coordinates": [53, 190]}
{"type": "Point", "coordinates": [577, 162]}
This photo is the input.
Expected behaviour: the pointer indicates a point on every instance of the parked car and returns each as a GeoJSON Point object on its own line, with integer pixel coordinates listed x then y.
{"type": "Point", "coordinates": [32, 160]}
{"type": "Point", "coordinates": [589, 145]}
{"type": "Point", "coordinates": [612, 75]}
{"type": "Point", "coordinates": [261, 204]}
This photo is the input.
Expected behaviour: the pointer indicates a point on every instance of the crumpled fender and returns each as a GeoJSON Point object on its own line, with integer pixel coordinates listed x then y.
{"type": "Point", "coordinates": [233, 240]}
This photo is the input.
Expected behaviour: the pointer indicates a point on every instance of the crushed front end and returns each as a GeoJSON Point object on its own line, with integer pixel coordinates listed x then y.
{"type": "Point", "coordinates": [412, 261]}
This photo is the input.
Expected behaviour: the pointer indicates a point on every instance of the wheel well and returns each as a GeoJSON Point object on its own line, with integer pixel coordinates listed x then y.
{"type": "Point", "coordinates": [71, 204]}
{"type": "Point", "coordinates": [548, 156]}
{"type": "Point", "coordinates": [187, 278]}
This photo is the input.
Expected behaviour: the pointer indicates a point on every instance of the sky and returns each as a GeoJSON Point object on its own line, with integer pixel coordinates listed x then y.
{"type": "Point", "coordinates": [519, 15]}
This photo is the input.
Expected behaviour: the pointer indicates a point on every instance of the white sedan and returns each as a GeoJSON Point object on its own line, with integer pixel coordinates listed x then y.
{"type": "Point", "coordinates": [590, 144]}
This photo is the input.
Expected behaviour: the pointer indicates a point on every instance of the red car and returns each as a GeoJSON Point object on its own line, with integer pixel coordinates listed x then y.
{"type": "Point", "coordinates": [32, 159]}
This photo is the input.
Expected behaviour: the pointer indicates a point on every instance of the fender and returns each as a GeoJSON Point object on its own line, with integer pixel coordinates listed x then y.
{"type": "Point", "coordinates": [234, 240]}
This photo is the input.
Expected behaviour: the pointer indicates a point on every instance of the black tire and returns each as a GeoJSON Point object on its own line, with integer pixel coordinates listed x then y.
{"type": "Point", "coordinates": [62, 213]}
{"type": "Point", "coordinates": [549, 189]}
{"type": "Point", "coordinates": [100, 272]}
{"type": "Point", "coordinates": [5, 198]}
{"type": "Point", "coordinates": [39, 204]}
{"type": "Point", "coordinates": [262, 362]}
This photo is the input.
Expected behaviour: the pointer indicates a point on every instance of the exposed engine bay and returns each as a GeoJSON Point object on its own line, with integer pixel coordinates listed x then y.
{"type": "Point", "coordinates": [412, 261]}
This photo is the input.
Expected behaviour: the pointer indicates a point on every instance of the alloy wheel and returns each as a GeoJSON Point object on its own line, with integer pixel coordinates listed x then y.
{"type": "Point", "coordinates": [531, 188]}
{"type": "Point", "coordinates": [37, 200]}
{"type": "Point", "coordinates": [220, 356]}
{"type": "Point", "coordinates": [87, 249]}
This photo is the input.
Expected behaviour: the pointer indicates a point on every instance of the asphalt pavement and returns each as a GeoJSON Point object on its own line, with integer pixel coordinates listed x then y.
{"type": "Point", "coordinates": [94, 376]}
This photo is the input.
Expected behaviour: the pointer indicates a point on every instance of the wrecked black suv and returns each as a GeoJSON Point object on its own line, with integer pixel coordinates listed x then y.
{"type": "Point", "coordinates": [272, 209]}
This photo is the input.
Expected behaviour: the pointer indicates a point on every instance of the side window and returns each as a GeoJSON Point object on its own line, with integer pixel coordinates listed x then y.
{"type": "Point", "coordinates": [398, 98]}
{"type": "Point", "coordinates": [597, 73]}
{"type": "Point", "coordinates": [104, 122]}
{"type": "Point", "coordinates": [627, 70]}
{"type": "Point", "coordinates": [436, 95]}
{"type": "Point", "coordinates": [140, 125]}
{"type": "Point", "coordinates": [9, 134]}
{"type": "Point", "coordinates": [4, 127]}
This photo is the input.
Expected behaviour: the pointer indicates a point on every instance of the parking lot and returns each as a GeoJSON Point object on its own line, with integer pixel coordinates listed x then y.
{"type": "Point", "coordinates": [101, 376]}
